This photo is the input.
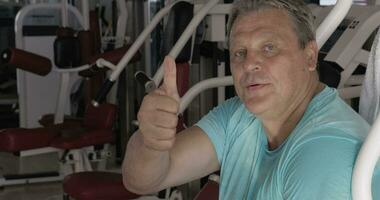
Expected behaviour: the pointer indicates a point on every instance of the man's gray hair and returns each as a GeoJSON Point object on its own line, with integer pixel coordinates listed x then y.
{"type": "Point", "coordinates": [298, 11]}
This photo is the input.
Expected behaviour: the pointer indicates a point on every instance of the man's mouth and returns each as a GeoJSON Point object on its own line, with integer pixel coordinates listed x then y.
{"type": "Point", "coordinates": [256, 86]}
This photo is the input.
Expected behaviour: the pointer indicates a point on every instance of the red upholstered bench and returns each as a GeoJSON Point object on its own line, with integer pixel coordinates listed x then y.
{"type": "Point", "coordinates": [96, 128]}
{"type": "Point", "coordinates": [109, 185]}
{"type": "Point", "coordinates": [19, 139]}
{"type": "Point", "coordinates": [96, 186]}
{"type": "Point", "coordinates": [89, 138]}
{"type": "Point", "coordinates": [210, 190]}
{"type": "Point", "coordinates": [75, 138]}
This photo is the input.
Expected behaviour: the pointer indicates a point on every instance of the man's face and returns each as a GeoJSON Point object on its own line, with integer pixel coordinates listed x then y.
{"type": "Point", "coordinates": [271, 72]}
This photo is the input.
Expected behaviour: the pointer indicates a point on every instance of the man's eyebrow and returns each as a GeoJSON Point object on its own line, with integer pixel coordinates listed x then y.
{"type": "Point", "coordinates": [261, 38]}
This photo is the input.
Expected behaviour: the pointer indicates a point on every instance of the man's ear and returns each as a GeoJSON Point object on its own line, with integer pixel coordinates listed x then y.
{"type": "Point", "coordinates": [311, 51]}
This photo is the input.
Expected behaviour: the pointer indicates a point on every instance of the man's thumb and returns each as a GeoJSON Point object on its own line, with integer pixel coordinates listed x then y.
{"type": "Point", "coordinates": [170, 78]}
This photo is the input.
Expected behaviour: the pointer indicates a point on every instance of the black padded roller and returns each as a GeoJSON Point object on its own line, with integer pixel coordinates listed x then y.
{"type": "Point", "coordinates": [102, 94]}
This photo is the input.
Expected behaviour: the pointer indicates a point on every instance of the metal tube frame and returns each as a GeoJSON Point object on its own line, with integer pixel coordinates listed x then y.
{"type": "Point", "coordinates": [140, 40]}
{"type": "Point", "coordinates": [20, 44]}
{"type": "Point", "coordinates": [365, 165]}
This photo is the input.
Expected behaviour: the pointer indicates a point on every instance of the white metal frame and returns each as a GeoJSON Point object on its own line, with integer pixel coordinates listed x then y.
{"type": "Point", "coordinates": [347, 52]}
{"type": "Point", "coordinates": [140, 40]}
{"type": "Point", "coordinates": [21, 86]}
{"type": "Point", "coordinates": [145, 34]}
{"type": "Point", "coordinates": [365, 164]}
{"type": "Point", "coordinates": [21, 75]}
{"type": "Point", "coordinates": [80, 159]}
{"type": "Point", "coordinates": [121, 22]}
{"type": "Point", "coordinates": [366, 160]}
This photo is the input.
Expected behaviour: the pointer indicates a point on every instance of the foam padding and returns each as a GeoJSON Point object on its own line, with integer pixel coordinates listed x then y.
{"type": "Point", "coordinates": [179, 18]}
{"type": "Point", "coordinates": [210, 191]}
{"type": "Point", "coordinates": [27, 61]}
{"type": "Point", "coordinates": [96, 186]}
{"type": "Point", "coordinates": [19, 139]}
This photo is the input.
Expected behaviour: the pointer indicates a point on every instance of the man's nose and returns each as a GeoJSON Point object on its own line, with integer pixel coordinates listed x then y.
{"type": "Point", "coordinates": [253, 62]}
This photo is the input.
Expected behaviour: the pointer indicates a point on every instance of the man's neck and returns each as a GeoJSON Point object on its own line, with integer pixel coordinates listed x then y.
{"type": "Point", "coordinates": [279, 129]}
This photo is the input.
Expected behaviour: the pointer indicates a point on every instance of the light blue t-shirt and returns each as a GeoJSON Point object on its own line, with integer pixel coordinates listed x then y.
{"type": "Point", "coordinates": [314, 162]}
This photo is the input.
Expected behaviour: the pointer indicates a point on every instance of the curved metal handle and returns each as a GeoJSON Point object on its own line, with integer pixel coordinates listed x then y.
{"type": "Point", "coordinates": [185, 37]}
{"type": "Point", "coordinates": [144, 80]}
{"type": "Point", "coordinates": [332, 21]}
{"type": "Point", "coordinates": [365, 164]}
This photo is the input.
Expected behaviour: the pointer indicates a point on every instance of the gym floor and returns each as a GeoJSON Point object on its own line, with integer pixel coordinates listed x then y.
{"type": "Point", "coordinates": [40, 191]}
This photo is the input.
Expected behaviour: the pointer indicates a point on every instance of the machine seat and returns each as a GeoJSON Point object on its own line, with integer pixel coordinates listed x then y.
{"type": "Point", "coordinates": [96, 186]}
{"type": "Point", "coordinates": [109, 185]}
{"type": "Point", "coordinates": [210, 191]}
{"type": "Point", "coordinates": [69, 122]}
{"type": "Point", "coordinates": [96, 129]}
{"type": "Point", "coordinates": [88, 138]}
{"type": "Point", "coordinates": [19, 139]}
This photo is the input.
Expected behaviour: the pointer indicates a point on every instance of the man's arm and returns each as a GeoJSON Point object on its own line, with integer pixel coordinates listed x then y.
{"type": "Point", "coordinates": [156, 156]}
{"type": "Point", "coordinates": [147, 171]}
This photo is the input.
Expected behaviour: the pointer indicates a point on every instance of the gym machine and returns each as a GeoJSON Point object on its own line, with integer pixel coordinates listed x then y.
{"type": "Point", "coordinates": [36, 141]}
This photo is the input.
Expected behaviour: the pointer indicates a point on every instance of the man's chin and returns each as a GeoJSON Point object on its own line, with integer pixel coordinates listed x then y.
{"type": "Point", "coordinates": [257, 107]}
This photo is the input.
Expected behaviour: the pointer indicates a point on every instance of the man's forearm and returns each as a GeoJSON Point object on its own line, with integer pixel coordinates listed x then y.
{"type": "Point", "coordinates": [144, 169]}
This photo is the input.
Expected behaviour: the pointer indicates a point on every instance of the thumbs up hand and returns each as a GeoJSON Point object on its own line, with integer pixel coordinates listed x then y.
{"type": "Point", "coordinates": [170, 78]}
{"type": "Point", "coordinates": [158, 112]}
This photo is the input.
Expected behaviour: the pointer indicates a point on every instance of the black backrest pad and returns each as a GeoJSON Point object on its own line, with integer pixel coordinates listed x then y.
{"type": "Point", "coordinates": [329, 73]}
{"type": "Point", "coordinates": [179, 17]}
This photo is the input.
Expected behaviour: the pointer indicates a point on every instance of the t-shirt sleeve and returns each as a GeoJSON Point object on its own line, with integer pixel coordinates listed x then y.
{"type": "Point", "coordinates": [215, 123]}
{"type": "Point", "coordinates": [321, 169]}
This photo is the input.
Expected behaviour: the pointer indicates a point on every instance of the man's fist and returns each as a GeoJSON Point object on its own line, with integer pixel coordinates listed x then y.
{"type": "Point", "coordinates": [158, 112]}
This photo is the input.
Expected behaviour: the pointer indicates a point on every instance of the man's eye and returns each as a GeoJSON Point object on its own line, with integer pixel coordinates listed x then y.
{"type": "Point", "coordinates": [240, 53]}
{"type": "Point", "coordinates": [269, 47]}
{"type": "Point", "coordinates": [270, 50]}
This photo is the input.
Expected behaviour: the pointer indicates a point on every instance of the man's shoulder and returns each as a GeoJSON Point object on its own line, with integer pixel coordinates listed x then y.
{"type": "Point", "coordinates": [323, 153]}
{"type": "Point", "coordinates": [333, 120]}
{"type": "Point", "coordinates": [231, 108]}
{"type": "Point", "coordinates": [339, 136]}
{"type": "Point", "coordinates": [328, 136]}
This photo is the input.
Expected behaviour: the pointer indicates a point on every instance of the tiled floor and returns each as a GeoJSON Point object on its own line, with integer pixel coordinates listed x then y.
{"type": "Point", "coordinates": [40, 191]}
{"type": "Point", "coordinates": [45, 191]}
{"type": "Point", "coordinates": [10, 164]}
{"type": "Point", "coordinates": [51, 191]}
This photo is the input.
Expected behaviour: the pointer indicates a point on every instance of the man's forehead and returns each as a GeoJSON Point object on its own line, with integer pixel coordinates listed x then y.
{"type": "Point", "coordinates": [272, 23]}
{"type": "Point", "coordinates": [268, 17]}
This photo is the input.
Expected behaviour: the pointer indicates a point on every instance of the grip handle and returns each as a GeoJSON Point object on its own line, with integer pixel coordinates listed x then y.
{"type": "Point", "coordinates": [147, 82]}
{"type": "Point", "coordinates": [102, 94]}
